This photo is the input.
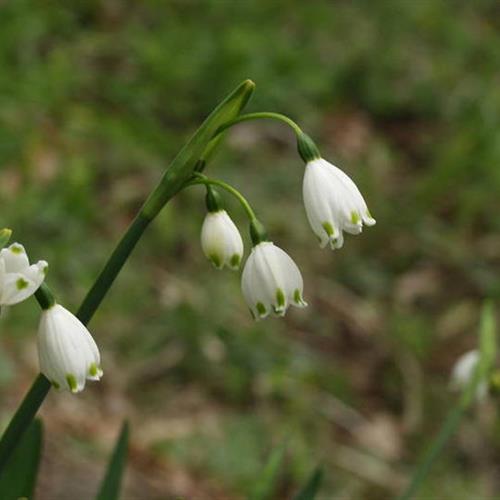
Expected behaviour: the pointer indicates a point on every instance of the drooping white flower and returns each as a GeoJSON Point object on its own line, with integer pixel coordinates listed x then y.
{"type": "Point", "coordinates": [221, 241]}
{"type": "Point", "coordinates": [271, 281]}
{"type": "Point", "coordinates": [333, 203]}
{"type": "Point", "coordinates": [67, 352]}
{"type": "Point", "coordinates": [19, 280]}
{"type": "Point", "coordinates": [463, 370]}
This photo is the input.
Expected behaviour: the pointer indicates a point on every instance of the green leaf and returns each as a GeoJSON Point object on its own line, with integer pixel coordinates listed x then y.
{"type": "Point", "coordinates": [19, 476]}
{"type": "Point", "coordinates": [110, 486]}
{"type": "Point", "coordinates": [182, 166]}
{"type": "Point", "coordinates": [266, 483]}
{"type": "Point", "coordinates": [311, 488]}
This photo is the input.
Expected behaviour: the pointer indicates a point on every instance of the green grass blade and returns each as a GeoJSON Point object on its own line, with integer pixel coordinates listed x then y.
{"type": "Point", "coordinates": [311, 488]}
{"type": "Point", "coordinates": [266, 483]}
{"type": "Point", "coordinates": [110, 486]}
{"type": "Point", "coordinates": [487, 348]}
{"type": "Point", "coordinates": [19, 477]}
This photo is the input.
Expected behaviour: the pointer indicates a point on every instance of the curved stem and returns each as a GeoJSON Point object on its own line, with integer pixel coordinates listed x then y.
{"type": "Point", "coordinates": [204, 180]}
{"type": "Point", "coordinates": [259, 116]}
{"type": "Point", "coordinates": [175, 178]}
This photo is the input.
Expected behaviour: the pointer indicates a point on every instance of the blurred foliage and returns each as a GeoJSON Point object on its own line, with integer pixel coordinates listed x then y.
{"type": "Point", "coordinates": [97, 96]}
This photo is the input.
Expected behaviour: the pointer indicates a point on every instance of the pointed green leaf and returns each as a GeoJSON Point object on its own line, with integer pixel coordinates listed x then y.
{"type": "Point", "coordinates": [110, 486]}
{"type": "Point", "coordinates": [182, 166]}
{"type": "Point", "coordinates": [266, 483]}
{"type": "Point", "coordinates": [311, 488]}
{"type": "Point", "coordinates": [18, 479]}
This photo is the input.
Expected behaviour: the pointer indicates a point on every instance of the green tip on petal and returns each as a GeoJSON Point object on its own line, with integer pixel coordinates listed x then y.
{"type": "Point", "coordinates": [215, 260]}
{"type": "Point", "coordinates": [261, 308]}
{"type": "Point", "coordinates": [71, 380]}
{"type": "Point", "coordinates": [16, 249]}
{"type": "Point", "coordinates": [355, 218]}
{"type": "Point", "coordinates": [235, 261]}
{"type": "Point", "coordinates": [328, 229]}
{"type": "Point", "coordinates": [21, 284]}
{"type": "Point", "coordinates": [280, 298]}
{"type": "Point", "coordinates": [93, 370]}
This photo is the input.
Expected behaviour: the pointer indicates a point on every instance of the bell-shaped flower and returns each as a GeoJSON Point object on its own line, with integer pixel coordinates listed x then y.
{"type": "Point", "coordinates": [271, 281]}
{"type": "Point", "coordinates": [333, 203]}
{"type": "Point", "coordinates": [67, 352]}
{"type": "Point", "coordinates": [221, 241]}
{"type": "Point", "coordinates": [18, 279]}
{"type": "Point", "coordinates": [463, 371]}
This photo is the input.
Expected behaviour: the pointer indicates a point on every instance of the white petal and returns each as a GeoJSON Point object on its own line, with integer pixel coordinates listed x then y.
{"type": "Point", "coordinates": [15, 258]}
{"type": "Point", "coordinates": [18, 286]}
{"type": "Point", "coordinates": [333, 203]}
{"type": "Point", "coordinates": [271, 281]}
{"type": "Point", "coordinates": [67, 352]}
{"type": "Point", "coordinates": [221, 241]}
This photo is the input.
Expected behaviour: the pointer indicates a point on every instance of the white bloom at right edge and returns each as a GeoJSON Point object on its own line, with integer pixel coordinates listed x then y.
{"type": "Point", "coordinates": [333, 203]}
{"type": "Point", "coordinates": [463, 371]}
{"type": "Point", "coordinates": [19, 280]}
{"type": "Point", "coordinates": [221, 241]}
{"type": "Point", "coordinates": [67, 352]}
{"type": "Point", "coordinates": [271, 281]}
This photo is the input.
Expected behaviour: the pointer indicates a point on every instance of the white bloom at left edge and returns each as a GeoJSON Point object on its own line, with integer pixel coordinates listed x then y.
{"type": "Point", "coordinates": [333, 203]}
{"type": "Point", "coordinates": [221, 241]}
{"type": "Point", "coordinates": [463, 371]}
{"type": "Point", "coordinates": [18, 279]}
{"type": "Point", "coordinates": [271, 281]}
{"type": "Point", "coordinates": [67, 352]}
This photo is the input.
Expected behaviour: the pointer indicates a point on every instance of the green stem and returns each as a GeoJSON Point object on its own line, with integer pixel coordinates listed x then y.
{"type": "Point", "coordinates": [259, 116]}
{"type": "Point", "coordinates": [112, 268]}
{"type": "Point", "coordinates": [203, 180]}
{"type": "Point", "coordinates": [449, 427]}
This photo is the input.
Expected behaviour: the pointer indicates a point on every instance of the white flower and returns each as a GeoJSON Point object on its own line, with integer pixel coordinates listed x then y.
{"type": "Point", "coordinates": [67, 352]}
{"type": "Point", "coordinates": [221, 241]}
{"type": "Point", "coordinates": [462, 372]}
{"type": "Point", "coordinates": [333, 203]}
{"type": "Point", "coordinates": [271, 281]}
{"type": "Point", "coordinates": [19, 280]}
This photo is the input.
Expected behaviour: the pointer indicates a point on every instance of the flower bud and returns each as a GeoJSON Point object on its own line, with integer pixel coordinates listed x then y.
{"type": "Point", "coordinates": [333, 203]}
{"type": "Point", "coordinates": [463, 371]}
{"type": "Point", "coordinates": [67, 352]}
{"type": "Point", "coordinates": [221, 241]}
{"type": "Point", "coordinates": [271, 281]}
{"type": "Point", "coordinates": [19, 280]}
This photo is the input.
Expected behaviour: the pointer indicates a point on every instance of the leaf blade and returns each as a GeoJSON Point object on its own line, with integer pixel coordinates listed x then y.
{"type": "Point", "coordinates": [110, 486]}
{"type": "Point", "coordinates": [18, 479]}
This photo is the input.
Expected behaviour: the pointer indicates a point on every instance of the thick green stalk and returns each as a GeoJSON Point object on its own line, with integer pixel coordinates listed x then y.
{"type": "Point", "coordinates": [110, 271]}
{"type": "Point", "coordinates": [178, 173]}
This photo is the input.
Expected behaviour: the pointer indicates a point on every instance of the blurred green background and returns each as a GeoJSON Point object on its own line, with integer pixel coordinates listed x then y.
{"type": "Point", "coordinates": [96, 97]}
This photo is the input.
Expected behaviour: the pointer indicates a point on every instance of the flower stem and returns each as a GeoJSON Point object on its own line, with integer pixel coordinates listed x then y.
{"type": "Point", "coordinates": [176, 176]}
{"type": "Point", "coordinates": [113, 266]}
{"type": "Point", "coordinates": [259, 116]}
{"type": "Point", "coordinates": [207, 181]}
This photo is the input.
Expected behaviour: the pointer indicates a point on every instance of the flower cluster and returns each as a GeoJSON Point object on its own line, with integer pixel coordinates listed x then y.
{"type": "Point", "coordinates": [271, 281]}
{"type": "Point", "coordinates": [67, 352]}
